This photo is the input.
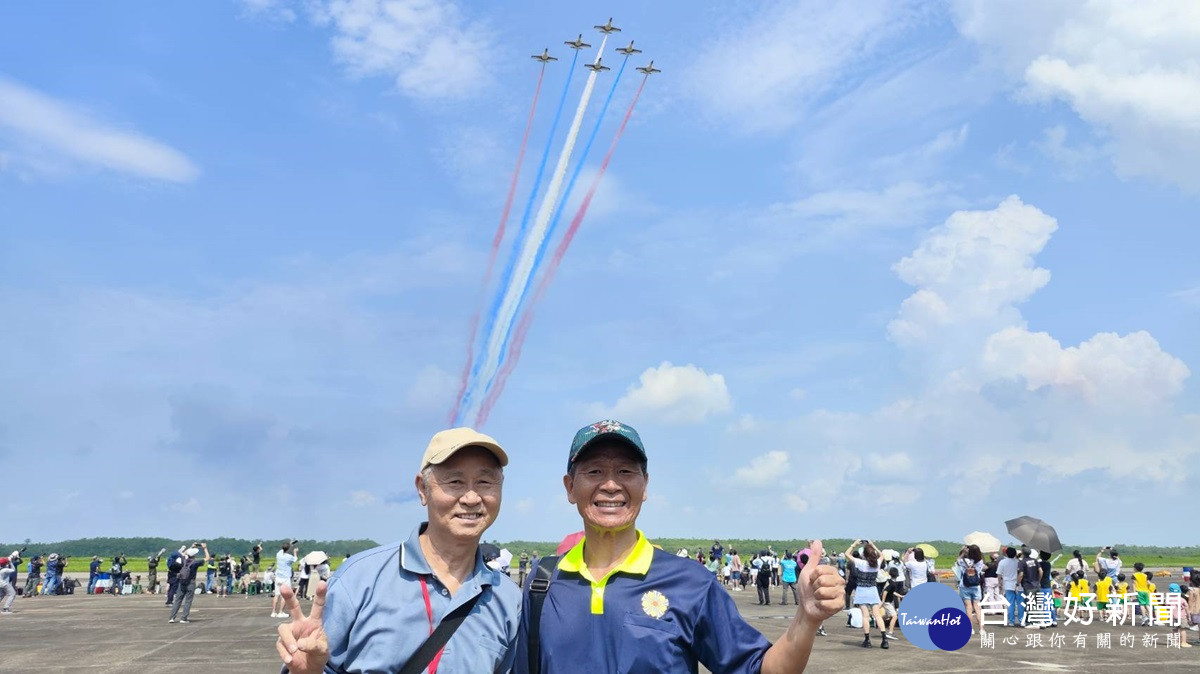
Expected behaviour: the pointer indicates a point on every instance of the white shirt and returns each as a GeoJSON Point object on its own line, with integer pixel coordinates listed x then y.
{"type": "Point", "coordinates": [283, 564]}
{"type": "Point", "coordinates": [1007, 570]}
{"type": "Point", "coordinates": [918, 572]}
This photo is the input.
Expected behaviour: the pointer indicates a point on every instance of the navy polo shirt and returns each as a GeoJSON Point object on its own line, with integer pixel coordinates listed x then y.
{"type": "Point", "coordinates": [653, 613]}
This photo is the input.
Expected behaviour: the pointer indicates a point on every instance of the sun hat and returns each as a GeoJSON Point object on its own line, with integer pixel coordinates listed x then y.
{"type": "Point", "coordinates": [605, 430]}
{"type": "Point", "coordinates": [445, 443]}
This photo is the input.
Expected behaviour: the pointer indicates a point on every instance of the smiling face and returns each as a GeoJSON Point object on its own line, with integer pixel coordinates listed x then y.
{"type": "Point", "coordinates": [608, 486]}
{"type": "Point", "coordinates": [462, 494]}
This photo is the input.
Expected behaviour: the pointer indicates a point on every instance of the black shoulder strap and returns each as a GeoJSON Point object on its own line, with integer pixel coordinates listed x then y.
{"type": "Point", "coordinates": [539, 585]}
{"type": "Point", "coordinates": [424, 655]}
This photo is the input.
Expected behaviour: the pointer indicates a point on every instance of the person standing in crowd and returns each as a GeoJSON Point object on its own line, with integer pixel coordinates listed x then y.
{"type": "Point", "coordinates": [185, 591]}
{"type": "Point", "coordinates": [256, 557]}
{"type": "Point", "coordinates": [174, 565]}
{"type": "Point", "coordinates": [152, 571]}
{"type": "Point", "coordinates": [8, 574]}
{"type": "Point", "coordinates": [736, 570]}
{"type": "Point", "coordinates": [93, 574]}
{"type": "Point", "coordinates": [916, 566]}
{"type": "Point", "coordinates": [1109, 560]}
{"type": "Point", "coordinates": [50, 585]}
{"type": "Point", "coordinates": [305, 573]}
{"type": "Point", "coordinates": [788, 577]}
{"type": "Point", "coordinates": [1029, 576]}
{"type": "Point", "coordinates": [763, 580]}
{"type": "Point", "coordinates": [117, 573]}
{"type": "Point", "coordinates": [1008, 569]}
{"type": "Point", "coordinates": [1045, 587]}
{"type": "Point", "coordinates": [522, 567]}
{"type": "Point", "coordinates": [284, 559]}
{"type": "Point", "coordinates": [210, 574]}
{"type": "Point", "coordinates": [969, 570]}
{"type": "Point", "coordinates": [717, 550]}
{"type": "Point", "coordinates": [618, 588]}
{"type": "Point", "coordinates": [893, 592]}
{"type": "Point", "coordinates": [866, 594]}
{"type": "Point", "coordinates": [34, 576]}
{"type": "Point", "coordinates": [224, 576]}
{"type": "Point", "coordinates": [1076, 563]}
{"type": "Point", "coordinates": [373, 618]}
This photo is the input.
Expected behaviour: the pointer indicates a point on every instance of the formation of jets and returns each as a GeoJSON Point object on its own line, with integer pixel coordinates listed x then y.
{"type": "Point", "coordinates": [608, 29]}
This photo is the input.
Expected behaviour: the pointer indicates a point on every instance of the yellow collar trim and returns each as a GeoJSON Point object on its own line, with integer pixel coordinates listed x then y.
{"type": "Point", "coordinates": [638, 562]}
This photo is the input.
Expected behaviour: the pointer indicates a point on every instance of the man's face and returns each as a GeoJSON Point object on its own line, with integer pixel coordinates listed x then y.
{"type": "Point", "coordinates": [608, 487]}
{"type": "Point", "coordinates": [462, 494]}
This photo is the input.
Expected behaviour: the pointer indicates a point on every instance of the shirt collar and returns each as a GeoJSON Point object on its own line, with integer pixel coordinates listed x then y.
{"type": "Point", "coordinates": [638, 561]}
{"type": "Point", "coordinates": [412, 558]}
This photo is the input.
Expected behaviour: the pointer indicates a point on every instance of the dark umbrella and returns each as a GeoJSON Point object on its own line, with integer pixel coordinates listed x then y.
{"type": "Point", "coordinates": [489, 551]}
{"type": "Point", "coordinates": [1035, 533]}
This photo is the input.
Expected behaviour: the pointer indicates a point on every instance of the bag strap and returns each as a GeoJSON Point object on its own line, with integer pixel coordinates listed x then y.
{"type": "Point", "coordinates": [424, 655]}
{"type": "Point", "coordinates": [539, 585]}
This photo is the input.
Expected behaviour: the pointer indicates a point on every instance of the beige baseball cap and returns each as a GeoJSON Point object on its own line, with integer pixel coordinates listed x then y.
{"type": "Point", "coordinates": [445, 443]}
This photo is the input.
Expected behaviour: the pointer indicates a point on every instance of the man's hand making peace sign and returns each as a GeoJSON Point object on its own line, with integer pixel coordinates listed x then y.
{"type": "Point", "coordinates": [302, 643]}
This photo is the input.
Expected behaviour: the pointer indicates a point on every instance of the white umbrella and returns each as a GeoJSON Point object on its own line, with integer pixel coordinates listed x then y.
{"type": "Point", "coordinates": [888, 553]}
{"type": "Point", "coordinates": [315, 558]}
{"type": "Point", "coordinates": [985, 541]}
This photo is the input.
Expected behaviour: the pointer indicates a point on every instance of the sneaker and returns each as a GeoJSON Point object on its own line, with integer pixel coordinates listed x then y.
{"type": "Point", "coordinates": [184, 621]}
{"type": "Point", "coordinates": [7, 610]}
{"type": "Point", "coordinates": [170, 621]}
{"type": "Point", "coordinates": [1195, 628]}
{"type": "Point", "coordinates": [821, 631]}
{"type": "Point", "coordinates": [1031, 626]}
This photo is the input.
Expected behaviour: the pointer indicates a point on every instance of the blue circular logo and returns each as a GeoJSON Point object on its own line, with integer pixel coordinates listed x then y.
{"type": "Point", "coordinates": [932, 618]}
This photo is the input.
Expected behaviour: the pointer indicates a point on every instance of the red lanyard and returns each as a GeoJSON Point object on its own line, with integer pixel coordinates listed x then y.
{"type": "Point", "coordinates": [429, 612]}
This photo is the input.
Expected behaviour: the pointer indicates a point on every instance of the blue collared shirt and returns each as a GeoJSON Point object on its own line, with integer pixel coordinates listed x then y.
{"type": "Point", "coordinates": [654, 613]}
{"type": "Point", "coordinates": [375, 616]}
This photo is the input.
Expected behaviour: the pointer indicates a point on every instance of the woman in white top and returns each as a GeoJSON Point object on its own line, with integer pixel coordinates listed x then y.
{"type": "Point", "coordinates": [1076, 564]}
{"type": "Point", "coordinates": [917, 566]}
{"type": "Point", "coordinates": [866, 595]}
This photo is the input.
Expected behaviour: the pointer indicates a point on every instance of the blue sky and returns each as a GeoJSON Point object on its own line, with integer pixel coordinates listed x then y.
{"type": "Point", "coordinates": [900, 270]}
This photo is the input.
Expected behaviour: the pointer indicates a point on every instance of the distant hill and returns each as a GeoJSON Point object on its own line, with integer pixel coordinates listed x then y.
{"type": "Point", "coordinates": [146, 546]}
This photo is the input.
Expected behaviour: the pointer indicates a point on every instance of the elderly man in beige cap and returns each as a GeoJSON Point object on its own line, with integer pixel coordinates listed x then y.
{"type": "Point", "coordinates": [426, 602]}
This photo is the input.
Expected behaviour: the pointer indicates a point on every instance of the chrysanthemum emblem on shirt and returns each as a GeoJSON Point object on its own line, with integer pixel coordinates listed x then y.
{"type": "Point", "coordinates": [654, 604]}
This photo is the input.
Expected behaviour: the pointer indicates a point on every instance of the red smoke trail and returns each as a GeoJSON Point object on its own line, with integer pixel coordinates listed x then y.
{"type": "Point", "coordinates": [496, 240]}
{"type": "Point", "coordinates": [551, 267]}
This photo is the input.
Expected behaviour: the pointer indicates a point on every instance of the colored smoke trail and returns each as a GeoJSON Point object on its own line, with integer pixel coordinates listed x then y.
{"type": "Point", "coordinates": [540, 255]}
{"type": "Point", "coordinates": [496, 240]}
{"type": "Point", "coordinates": [522, 330]}
{"type": "Point", "coordinates": [464, 399]}
{"type": "Point", "coordinates": [513, 291]}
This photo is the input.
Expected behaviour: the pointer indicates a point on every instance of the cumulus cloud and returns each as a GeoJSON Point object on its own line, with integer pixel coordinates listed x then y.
{"type": "Point", "coordinates": [47, 126]}
{"type": "Point", "coordinates": [972, 271]}
{"type": "Point", "coordinates": [762, 470]}
{"type": "Point", "coordinates": [428, 47]}
{"type": "Point", "coordinates": [672, 394]}
{"type": "Point", "coordinates": [1129, 69]}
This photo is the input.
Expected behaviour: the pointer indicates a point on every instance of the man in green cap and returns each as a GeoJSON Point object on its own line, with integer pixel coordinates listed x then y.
{"type": "Point", "coordinates": [616, 603]}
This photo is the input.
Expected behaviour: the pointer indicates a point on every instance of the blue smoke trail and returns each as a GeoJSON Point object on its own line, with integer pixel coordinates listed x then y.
{"type": "Point", "coordinates": [507, 273]}
{"type": "Point", "coordinates": [558, 209]}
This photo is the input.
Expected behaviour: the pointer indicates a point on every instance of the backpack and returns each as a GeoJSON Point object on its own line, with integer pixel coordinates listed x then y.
{"type": "Point", "coordinates": [175, 562]}
{"type": "Point", "coordinates": [970, 575]}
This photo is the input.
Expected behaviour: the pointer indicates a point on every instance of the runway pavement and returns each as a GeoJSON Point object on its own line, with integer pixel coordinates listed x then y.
{"type": "Point", "coordinates": [79, 633]}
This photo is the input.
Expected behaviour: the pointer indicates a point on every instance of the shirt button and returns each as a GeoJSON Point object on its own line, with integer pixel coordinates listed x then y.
{"type": "Point", "coordinates": [445, 592]}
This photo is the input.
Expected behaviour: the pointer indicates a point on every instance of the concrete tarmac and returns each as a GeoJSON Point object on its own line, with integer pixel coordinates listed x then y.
{"type": "Point", "coordinates": [78, 633]}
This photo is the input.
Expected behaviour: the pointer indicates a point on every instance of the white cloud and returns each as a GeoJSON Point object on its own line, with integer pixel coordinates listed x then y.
{"type": "Point", "coordinates": [794, 502]}
{"type": "Point", "coordinates": [746, 423]}
{"type": "Point", "coordinates": [360, 498]}
{"type": "Point", "coordinates": [525, 506]}
{"type": "Point", "coordinates": [972, 271]}
{"type": "Point", "coordinates": [769, 468]}
{"type": "Point", "coordinates": [1129, 69]}
{"type": "Point", "coordinates": [189, 507]}
{"type": "Point", "coordinates": [1073, 159]}
{"type": "Point", "coordinates": [47, 126]}
{"type": "Point", "coordinates": [760, 74]}
{"type": "Point", "coordinates": [1107, 370]}
{"type": "Point", "coordinates": [431, 391]}
{"type": "Point", "coordinates": [672, 394]}
{"type": "Point", "coordinates": [427, 46]}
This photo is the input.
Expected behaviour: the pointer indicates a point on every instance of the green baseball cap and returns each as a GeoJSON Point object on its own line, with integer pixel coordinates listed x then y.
{"type": "Point", "coordinates": [605, 430]}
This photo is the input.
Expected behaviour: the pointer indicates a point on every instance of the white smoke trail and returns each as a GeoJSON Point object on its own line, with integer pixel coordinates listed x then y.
{"type": "Point", "coordinates": [524, 268]}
